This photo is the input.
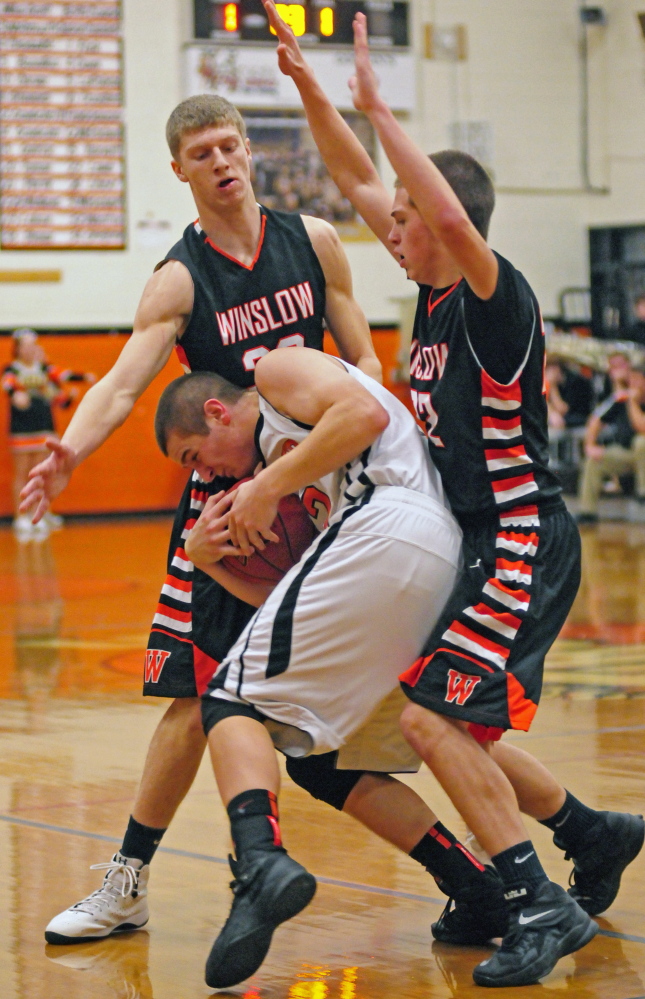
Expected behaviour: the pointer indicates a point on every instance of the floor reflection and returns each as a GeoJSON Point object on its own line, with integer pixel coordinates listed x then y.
{"type": "Point", "coordinates": [38, 617]}
{"type": "Point", "coordinates": [73, 735]}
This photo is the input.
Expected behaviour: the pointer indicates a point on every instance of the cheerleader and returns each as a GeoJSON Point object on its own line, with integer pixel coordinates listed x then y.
{"type": "Point", "coordinates": [34, 386]}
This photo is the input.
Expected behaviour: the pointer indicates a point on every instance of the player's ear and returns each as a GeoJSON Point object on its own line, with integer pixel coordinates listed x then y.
{"type": "Point", "coordinates": [216, 413]}
{"type": "Point", "coordinates": [178, 171]}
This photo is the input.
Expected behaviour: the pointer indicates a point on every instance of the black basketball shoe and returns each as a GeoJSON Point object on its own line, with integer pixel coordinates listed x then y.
{"type": "Point", "coordinates": [539, 934]}
{"type": "Point", "coordinates": [269, 887]}
{"type": "Point", "coordinates": [613, 842]}
{"type": "Point", "coordinates": [480, 913]}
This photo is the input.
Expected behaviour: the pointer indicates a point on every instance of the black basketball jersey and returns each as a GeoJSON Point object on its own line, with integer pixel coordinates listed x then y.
{"type": "Point", "coordinates": [241, 312]}
{"type": "Point", "coordinates": [487, 437]}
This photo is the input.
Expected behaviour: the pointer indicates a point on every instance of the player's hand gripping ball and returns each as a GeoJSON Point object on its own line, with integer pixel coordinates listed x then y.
{"type": "Point", "coordinates": [296, 531]}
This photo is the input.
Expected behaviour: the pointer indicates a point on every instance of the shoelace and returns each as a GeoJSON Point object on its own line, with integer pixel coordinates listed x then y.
{"type": "Point", "coordinates": [131, 875]}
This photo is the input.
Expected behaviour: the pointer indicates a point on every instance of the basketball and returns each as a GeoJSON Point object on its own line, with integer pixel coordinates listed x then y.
{"type": "Point", "coordinates": [296, 531]}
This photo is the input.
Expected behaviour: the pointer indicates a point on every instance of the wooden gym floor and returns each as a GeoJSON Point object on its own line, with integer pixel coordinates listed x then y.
{"type": "Point", "coordinates": [73, 734]}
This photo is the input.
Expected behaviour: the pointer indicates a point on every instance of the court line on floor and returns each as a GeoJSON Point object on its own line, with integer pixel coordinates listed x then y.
{"type": "Point", "coordinates": [334, 882]}
{"type": "Point", "coordinates": [612, 730]}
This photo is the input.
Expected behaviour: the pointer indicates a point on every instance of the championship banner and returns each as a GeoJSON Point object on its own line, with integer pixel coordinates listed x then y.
{"type": "Point", "coordinates": [61, 133]}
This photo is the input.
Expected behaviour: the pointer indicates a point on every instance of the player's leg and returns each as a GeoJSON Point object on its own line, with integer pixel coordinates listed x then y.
{"type": "Point", "coordinates": [121, 904]}
{"type": "Point", "coordinates": [172, 762]}
{"type": "Point", "coordinates": [483, 665]}
{"type": "Point", "coordinates": [397, 814]}
{"type": "Point", "coordinates": [315, 662]}
{"type": "Point", "coordinates": [484, 797]}
{"type": "Point", "coordinates": [269, 887]}
{"type": "Point", "coordinates": [190, 603]}
{"type": "Point", "coordinates": [601, 843]}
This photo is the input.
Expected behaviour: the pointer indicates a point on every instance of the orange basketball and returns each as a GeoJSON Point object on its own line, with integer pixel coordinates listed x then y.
{"type": "Point", "coordinates": [296, 531]}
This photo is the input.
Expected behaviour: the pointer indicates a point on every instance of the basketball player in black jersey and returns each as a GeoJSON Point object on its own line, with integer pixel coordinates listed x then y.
{"type": "Point", "coordinates": [477, 381]}
{"type": "Point", "coordinates": [243, 280]}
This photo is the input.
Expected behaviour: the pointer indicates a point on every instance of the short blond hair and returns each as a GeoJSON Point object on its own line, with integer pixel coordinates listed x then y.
{"type": "Point", "coordinates": [201, 111]}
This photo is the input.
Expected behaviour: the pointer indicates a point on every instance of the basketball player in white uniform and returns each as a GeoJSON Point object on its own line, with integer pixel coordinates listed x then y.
{"type": "Point", "coordinates": [324, 650]}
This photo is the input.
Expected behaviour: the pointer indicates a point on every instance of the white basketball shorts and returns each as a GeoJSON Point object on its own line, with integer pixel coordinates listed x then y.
{"type": "Point", "coordinates": [327, 646]}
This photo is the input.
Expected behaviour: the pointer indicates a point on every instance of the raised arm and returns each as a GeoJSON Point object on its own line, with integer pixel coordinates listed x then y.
{"type": "Point", "coordinates": [347, 161]}
{"type": "Point", "coordinates": [430, 193]}
{"type": "Point", "coordinates": [345, 318]}
{"type": "Point", "coordinates": [161, 316]}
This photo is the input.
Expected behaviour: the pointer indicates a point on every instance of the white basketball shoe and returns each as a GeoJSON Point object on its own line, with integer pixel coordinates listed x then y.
{"type": "Point", "coordinates": [119, 905]}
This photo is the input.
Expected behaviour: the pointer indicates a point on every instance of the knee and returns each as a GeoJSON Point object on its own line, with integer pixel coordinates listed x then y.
{"type": "Point", "coordinates": [212, 710]}
{"type": "Point", "coordinates": [421, 728]}
{"type": "Point", "coordinates": [185, 713]}
{"type": "Point", "coordinates": [319, 777]}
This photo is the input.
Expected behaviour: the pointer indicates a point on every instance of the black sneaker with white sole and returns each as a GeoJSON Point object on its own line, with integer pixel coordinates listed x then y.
{"type": "Point", "coordinates": [480, 912]}
{"type": "Point", "coordinates": [613, 842]}
{"type": "Point", "coordinates": [539, 934]}
{"type": "Point", "coordinates": [269, 888]}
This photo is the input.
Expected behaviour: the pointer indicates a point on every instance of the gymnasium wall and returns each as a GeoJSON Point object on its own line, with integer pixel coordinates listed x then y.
{"type": "Point", "coordinates": [129, 473]}
{"type": "Point", "coordinates": [521, 76]}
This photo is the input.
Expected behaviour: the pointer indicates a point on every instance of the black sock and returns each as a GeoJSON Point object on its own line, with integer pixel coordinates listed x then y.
{"type": "Point", "coordinates": [520, 870]}
{"type": "Point", "coordinates": [141, 842]}
{"type": "Point", "coordinates": [571, 824]}
{"type": "Point", "coordinates": [446, 858]}
{"type": "Point", "coordinates": [254, 821]}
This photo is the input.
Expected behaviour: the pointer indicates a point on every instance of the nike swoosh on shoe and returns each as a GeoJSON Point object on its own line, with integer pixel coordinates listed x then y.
{"type": "Point", "coordinates": [531, 919]}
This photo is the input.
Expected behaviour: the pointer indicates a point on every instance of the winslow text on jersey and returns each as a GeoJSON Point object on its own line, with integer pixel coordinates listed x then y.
{"type": "Point", "coordinates": [257, 316]}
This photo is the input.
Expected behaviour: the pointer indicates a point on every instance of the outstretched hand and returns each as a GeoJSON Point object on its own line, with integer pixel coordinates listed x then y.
{"type": "Point", "coordinates": [47, 480]}
{"type": "Point", "coordinates": [364, 83]}
{"type": "Point", "coordinates": [290, 58]}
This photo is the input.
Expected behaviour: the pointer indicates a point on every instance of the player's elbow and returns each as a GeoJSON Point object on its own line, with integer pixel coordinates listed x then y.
{"type": "Point", "coordinates": [374, 419]}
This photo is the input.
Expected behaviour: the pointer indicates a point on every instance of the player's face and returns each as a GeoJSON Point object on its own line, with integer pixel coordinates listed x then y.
{"type": "Point", "coordinates": [227, 450]}
{"type": "Point", "coordinates": [216, 162]}
{"type": "Point", "coordinates": [418, 251]}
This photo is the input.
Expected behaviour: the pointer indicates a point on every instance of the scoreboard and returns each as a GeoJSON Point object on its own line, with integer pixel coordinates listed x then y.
{"type": "Point", "coordinates": [318, 22]}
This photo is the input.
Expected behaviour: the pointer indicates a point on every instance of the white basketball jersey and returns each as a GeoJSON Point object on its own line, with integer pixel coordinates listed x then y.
{"type": "Point", "coordinates": [398, 457]}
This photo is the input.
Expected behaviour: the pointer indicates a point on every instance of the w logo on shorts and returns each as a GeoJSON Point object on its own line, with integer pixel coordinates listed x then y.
{"type": "Point", "coordinates": [155, 661]}
{"type": "Point", "coordinates": [460, 686]}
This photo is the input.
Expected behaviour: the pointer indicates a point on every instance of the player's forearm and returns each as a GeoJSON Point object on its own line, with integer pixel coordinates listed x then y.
{"type": "Point", "coordinates": [370, 365]}
{"type": "Point", "coordinates": [433, 197]}
{"type": "Point", "coordinates": [251, 593]}
{"type": "Point", "coordinates": [102, 410]}
{"type": "Point", "coordinates": [344, 431]}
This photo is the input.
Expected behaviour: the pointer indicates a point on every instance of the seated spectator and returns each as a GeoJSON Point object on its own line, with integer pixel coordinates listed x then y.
{"type": "Point", "coordinates": [615, 438]}
{"type": "Point", "coordinates": [637, 329]}
{"type": "Point", "coordinates": [569, 396]}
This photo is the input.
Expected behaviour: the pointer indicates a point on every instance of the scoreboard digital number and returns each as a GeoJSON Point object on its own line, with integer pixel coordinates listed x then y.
{"type": "Point", "coordinates": [315, 21]}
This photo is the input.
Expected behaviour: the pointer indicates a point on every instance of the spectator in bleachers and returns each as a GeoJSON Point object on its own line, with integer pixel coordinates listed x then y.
{"type": "Point", "coordinates": [615, 437]}
{"type": "Point", "coordinates": [569, 396]}
{"type": "Point", "coordinates": [637, 331]}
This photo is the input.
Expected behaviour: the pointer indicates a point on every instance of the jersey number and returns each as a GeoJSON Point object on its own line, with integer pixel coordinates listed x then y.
{"type": "Point", "coordinates": [251, 357]}
{"type": "Point", "coordinates": [318, 506]}
{"type": "Point", "coordinates": [427, 413]}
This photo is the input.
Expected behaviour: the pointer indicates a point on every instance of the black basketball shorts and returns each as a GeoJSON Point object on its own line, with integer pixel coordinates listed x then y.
{"type": "Point", "coordinates": [484, 660]}
{"type": "Point", "coordinates": [196, 621]}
